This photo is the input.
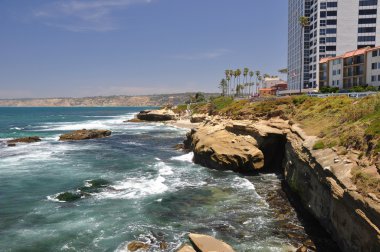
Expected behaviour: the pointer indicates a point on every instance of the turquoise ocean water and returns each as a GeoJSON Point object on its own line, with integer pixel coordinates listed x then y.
{"type": "Point", "coordinates": [155, 192]}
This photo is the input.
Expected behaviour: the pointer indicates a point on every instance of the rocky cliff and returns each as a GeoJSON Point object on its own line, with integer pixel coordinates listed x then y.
{"type": "Point", "coordinates": [320, 178]}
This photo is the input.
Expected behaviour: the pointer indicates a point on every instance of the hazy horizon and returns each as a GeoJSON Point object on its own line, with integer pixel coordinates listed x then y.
{"type": "Point", "coordinates": [80, 48]}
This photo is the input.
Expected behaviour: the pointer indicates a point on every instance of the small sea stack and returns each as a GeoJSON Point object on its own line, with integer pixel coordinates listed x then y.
{"type": "Point", "coordinates": [157, 115]}
{"type": "Point", "coordinates": [85, 134]}
{"type": "Point", "coordinates": [32, 139]}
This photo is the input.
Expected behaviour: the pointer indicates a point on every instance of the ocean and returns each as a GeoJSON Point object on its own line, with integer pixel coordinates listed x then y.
{"type": "Point", "coordinates": [154, 193]}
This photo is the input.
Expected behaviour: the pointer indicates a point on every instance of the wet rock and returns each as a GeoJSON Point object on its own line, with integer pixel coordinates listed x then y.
{"type": "Point", "coordinates": [157, 115]}
{"type": "Point", "coordinates": [163, 245]}
{"type": "Point", "coordinates": [179, 146]}
{"type": "Point", "coordinates": [84, 134]}
{"type": "Point", "coordinates": [32, 139]}
{"type": "Point", "coordinates": [137, 245]}
{"type": "Point", "coordinates": [93, 186]}
{"type": "Point", "coordinates": [134, 120]}
{"type": "Point", "coordinates": [206, 243]}
{"type": "Point", "coordinates": [68, 196]}
{"type": "Point", "coordinates": [186, 248]}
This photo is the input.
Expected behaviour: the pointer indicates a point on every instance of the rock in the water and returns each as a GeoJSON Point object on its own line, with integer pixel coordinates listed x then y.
{"type": "Point", "coordinates": [217, 148]}
{"type": "Point", "coordinates": [134, 120]}
{"type": "Point", "coordinates": [31, 139]}
{"type": "Point", "coordinates": [206, 243]}
{"type": "Point", "coordinates": [93, 186]}
{"type": "Point", "coordinates": [84, 134]}
{"type": "Point", "coordinates": [186, 248]}
{"type": "Point", "coordinates": [137, 245]}
{"type": "Point", "coordinates": [11, 145]}
{"type": "Point", "coordinates": [68, 196]}
{"type": "Point", "coordinates": [157, 115]}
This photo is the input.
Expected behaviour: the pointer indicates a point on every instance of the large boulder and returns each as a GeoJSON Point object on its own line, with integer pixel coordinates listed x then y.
{"type": "Point", "coordinates": [218, 148]}
{"type": "Point", "coordinates": [84, 134]}
{"type": "Point", "coordinates": [31, 139]}
{"type": "Point", "coordinates": [157, 115]}
{"type": "Point", "coordinates": [206, 243]}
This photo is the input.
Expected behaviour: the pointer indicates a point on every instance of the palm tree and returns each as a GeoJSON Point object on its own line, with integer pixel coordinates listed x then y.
{"type": "Point", "coordinates": [245, 74]}
{"type": "Point", "coordinates": [238, 73]}
{"type": "Point", "coordinates": [251, 73]}
{"type": "Point", "coordinates": [304, 22]}
{"type": "Point", "coordinates": [257, 83]}
{"type": "Point", "coordinates": [227, 74]}
{"type": "Point", "coordinates": [223, 86]}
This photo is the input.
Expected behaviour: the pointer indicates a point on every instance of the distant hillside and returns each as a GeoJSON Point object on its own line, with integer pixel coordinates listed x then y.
{"type": "Point", "coordinates": [102, 101]}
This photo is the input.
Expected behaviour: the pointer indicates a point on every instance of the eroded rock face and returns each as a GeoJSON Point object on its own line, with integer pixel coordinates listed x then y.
{"type": "Point", "coordinates": [206, 243]}
{"type": "Point", "coordinates": [84, 134]}
{"type": "Point", "coordinates": [217, 148]}
{"type": "Point", "coordinates": [31, 139]}
{"type": "Point", "coordinates": [198, 118]}
{"type": "Point", "coordinates": [156, 115]}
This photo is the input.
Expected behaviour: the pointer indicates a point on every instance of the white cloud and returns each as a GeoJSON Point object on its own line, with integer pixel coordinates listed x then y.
{"type": "Point", "coordinates": [203, 55]}
{"type": "Point", "coordinates": [84, 15]}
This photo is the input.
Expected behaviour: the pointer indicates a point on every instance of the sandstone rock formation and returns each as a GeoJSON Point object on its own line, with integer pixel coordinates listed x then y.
{"type": "Point", "coordinates": [84, 134]}
{"type": "Point", "coordinates": [157, 115]}
{"type": "Point", "coordinates": [206, 243]}
{"type": "Point", "coordinates": [218, 148]}
{"type": "Point", "coordinates": [31, 139]}
{"type": "Point", "coordinates": [321, 178]}
{"type": "Point", "coordinates": [186, 248]}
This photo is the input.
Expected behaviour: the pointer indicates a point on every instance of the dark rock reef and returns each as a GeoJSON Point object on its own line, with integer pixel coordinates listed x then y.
{"type": "Point", "coordinates": [84, 134]}
{"type": "Point", "coordinates": [31, 139]}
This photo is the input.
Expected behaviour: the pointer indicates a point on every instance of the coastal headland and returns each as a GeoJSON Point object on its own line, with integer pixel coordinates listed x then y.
{"type": "Point", "coordinates": [327, 150]}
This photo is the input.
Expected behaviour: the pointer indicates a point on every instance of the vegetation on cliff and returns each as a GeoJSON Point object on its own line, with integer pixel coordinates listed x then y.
{"type": "Point", "coordinates": [340, 122]}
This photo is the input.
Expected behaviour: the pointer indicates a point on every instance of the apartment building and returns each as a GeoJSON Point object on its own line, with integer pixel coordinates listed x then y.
{"type": "Point", "coordinates": [335, 27]}
{"type": "Point", "coordinates": [360, 67]}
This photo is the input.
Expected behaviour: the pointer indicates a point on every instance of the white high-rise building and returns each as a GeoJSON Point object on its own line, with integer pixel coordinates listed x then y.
{"type": "Point", "coordinates": [335, 27]}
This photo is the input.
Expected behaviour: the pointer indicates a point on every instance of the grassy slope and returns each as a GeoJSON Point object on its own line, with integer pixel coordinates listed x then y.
{"type": "Point", "coordinates": [340, 122]}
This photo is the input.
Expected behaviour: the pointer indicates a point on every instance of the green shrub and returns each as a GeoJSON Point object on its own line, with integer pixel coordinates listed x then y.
{"type": "Point", "coordinates": [318, 145]}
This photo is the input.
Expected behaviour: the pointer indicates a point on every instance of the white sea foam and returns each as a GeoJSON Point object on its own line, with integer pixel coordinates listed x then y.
{"type": "Point", "coordinates": [133, 188]}
{"type": "Point", "coordinates": [185, 158]}
{"type": "Point", "coordinates": [16, 128]}
{"type": "Point", "coordinates": [163, 169]}
{"type": "Point", "coordinates": [243, 183]}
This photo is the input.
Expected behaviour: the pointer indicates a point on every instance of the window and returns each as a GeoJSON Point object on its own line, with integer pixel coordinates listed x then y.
{"type": "Point", "coordinates": [332, 4]}
{"type": "Point", "coordinates": [322, 49]}
{"type": "Point", "coordinates": [368, 12]}
{"type": "Point", "coordinates": [331, 31]}
{"type": "Point", "coordinates": [367, 2]}
{"type": "Point", "coordinates": [322, 23]}
{"type": "Point", "coordinates": [367, 20]}
{"type": "Point", "coordinates": [322, 40]}
{"type": "Point", "coordinates": [378, 78]}
{"type": "Point", "coordinates": [323, 5]}
{"type": "Point", "coordinates": [366, 38]}
{"type": "Point", "coordinates": [378, 65]}
{"type": "Point", "coordinates": [322, 32]}
{"type": "Point", "coordinates": [374, 66]}
{"type": "Point", "coordinates": [334, 72]}
{"type": "Point", "coordinates": [337, 82]}
{"type": "Point", "coordinates": [331, 22]}
{"type": "Point", "coordinates": [330, 48]}
{"type": "Point", "coordinates": [333, 83]}
{"type": "Point", "coordinates": [366, 29]}
{"type": "Point", "coordinates": [331, 13]}
{"type": "Point", "coordinates": [338, 72]}
{"type": "Point", "coordinates": [331, 39]}
{"type": "Point", "coordinates": [374, 53]}
{"type": "Point", "coordinates": [322, 14]}
{"type": "Point", "coordinates": [373, 78]}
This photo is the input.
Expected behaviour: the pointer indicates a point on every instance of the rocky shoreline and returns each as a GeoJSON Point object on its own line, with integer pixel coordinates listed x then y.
{"type": "Point", "coordinates": [319, 178]}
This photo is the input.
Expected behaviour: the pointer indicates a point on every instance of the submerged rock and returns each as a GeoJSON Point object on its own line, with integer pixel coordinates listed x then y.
{"type": "Point", "coordinates": [93, 186]}
{"type": "Point", "coordinates": [68, 196]}
{"type": "Point", "coordinates": [157, 115]}
{"type": "Point", "coordinates": [206, 243]}
{"type": "Point", "coordinates": [85, 134]}
{"type": "Point", "coordinates": [137, 245]}
{"type": "Point", "coordinates": [31, 139]}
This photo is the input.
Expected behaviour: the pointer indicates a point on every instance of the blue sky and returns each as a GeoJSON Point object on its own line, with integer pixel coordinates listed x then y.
{"type": "Point", "coordinates": [76, 48]}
